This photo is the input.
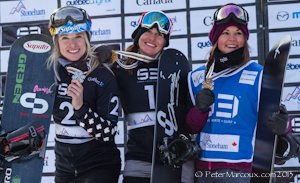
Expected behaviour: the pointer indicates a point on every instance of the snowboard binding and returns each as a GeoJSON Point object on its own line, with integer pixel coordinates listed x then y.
{"type": "Point", "coordinates": [25, 141]}
{"type": "Point", "coordinates": [290, 148]}
{"type": "Point", "coordinates": [178, 150]}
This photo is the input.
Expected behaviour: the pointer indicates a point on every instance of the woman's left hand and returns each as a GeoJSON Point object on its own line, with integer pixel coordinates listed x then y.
{"type": "Point", "coordinates": [75, 90]}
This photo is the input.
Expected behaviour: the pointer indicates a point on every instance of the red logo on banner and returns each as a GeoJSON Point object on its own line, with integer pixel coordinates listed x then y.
{"type": "Point", "coordinates": [37, 46]}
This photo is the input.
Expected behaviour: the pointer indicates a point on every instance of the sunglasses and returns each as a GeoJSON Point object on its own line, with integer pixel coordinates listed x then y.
{"type": "Point", "coordinates": [225, 13]}
{"type": "Point", "coordinates": [148, 19]}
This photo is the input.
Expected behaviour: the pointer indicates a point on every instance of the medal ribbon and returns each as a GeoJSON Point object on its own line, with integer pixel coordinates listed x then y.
{"type": "Point", "coordinates": [136, 56]}
{"type": "Point", "coordinates": [222, 73]}
{"type": "Point", "coordinates": [209, 78]}
{"type": "Point", "coordinates": [77, 73]}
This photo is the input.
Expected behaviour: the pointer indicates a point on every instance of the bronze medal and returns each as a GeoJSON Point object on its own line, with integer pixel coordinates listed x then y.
{"type": "Point", "coordinates": [208, 83]}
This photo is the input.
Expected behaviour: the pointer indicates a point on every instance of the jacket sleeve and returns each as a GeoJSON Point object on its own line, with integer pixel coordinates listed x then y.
{"type": "Point", "coordinates": [102, 124]}
{"type": "Point", "coordinates": [195, 120]}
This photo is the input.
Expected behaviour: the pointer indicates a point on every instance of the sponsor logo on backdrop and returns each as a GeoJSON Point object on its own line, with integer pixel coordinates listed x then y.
{"type": "Point", "coordinates": [295, 95]}
{"type": "Point", "coordinates": [26, 14]}
{"type": "Point", "coordinates": [202, 45]}
{"type": "Point", "coordinates": [134, 23]}
{"type": "Point", "coordinates": [46, 161]}
{"type": "Point", "coordinates": [291, 66]}
{"type": "Point", "coordinates": [101, 34]}
{"type": "Point", "coordinates": [174, 19]}
{"type": "Point", "coordinates": [208, 21]}
{"type": "Point", "coordinates": [86, 2]}
{"type": "Point", "coordinates": [152, 2]}
{"type": "Point", "coordinates": [295, 42]}
{"type": "Point", "coordinates": [296, 14]}
{"type": "Point", "coordinates": [18, 8]}
{"type": "Point", "coordinates": [282, 16]}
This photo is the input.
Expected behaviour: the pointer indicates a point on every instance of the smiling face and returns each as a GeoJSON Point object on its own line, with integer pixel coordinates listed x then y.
{"type": "Point", "coordinates": [232, 38]}
{"type": "Point", "coordinates": [72, 46]}
{"type": "Point", "coordinates": [151, 42]}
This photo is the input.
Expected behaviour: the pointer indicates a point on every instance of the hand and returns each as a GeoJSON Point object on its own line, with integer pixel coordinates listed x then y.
{"type": "Point", "coordinates": [75, 90]}
{"type": "Point", "coordinates": [278, 123]}
{"type": "Point", "coordinates": [203, 99]}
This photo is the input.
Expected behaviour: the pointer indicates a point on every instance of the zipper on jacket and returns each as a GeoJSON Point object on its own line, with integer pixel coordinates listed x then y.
{"type": "Point", "coordinates": [75, 171]}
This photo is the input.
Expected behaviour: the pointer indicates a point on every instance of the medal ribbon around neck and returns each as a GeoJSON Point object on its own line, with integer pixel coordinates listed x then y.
{"type": "Point", "coordinates": [77, 73]}
{"type": "Point", "coordinates": [208, 82]}
{"type": "Point", "coordinates": [136, 56]}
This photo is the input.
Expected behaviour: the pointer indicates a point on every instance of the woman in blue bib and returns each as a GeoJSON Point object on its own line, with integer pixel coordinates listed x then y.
{"type": "Point", "coordinates": [227, 89]}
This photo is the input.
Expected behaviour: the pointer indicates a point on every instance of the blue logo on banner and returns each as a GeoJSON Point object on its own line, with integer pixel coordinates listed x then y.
{"type": "Point", "coordinates": [20, 8]}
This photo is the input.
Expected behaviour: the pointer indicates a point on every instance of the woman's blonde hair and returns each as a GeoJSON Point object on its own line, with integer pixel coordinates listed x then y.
{"type": "Point", "coordinates": [53, 59]}
{"type": "Point", "coordinates": [211, 58]}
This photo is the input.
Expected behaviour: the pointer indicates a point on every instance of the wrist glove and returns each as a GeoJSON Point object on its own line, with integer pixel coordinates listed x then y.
{"type": "Point", "coordinates": [103, 53]}
{"type": "Point", "coordinates": [278, 122]}
{"type": "Point", "coordinates": [203, 99]}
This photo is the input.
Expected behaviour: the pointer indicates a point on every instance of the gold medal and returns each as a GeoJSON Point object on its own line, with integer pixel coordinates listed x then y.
{"type": "Point", "coordinates": [208, 83]}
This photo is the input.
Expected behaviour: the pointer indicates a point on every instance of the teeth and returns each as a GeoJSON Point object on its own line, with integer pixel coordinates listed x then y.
{"type": "Point", "coordinates": [150, 44]}
{"type": "Point", "coordinates": [231, 46]}
{"type": "Point", "coordinates": [73, 51]}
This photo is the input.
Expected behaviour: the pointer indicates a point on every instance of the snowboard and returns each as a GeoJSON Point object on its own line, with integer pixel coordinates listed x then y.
{"type": "Point", "coordinates": [29, 96]}
{"type": "Point", "coordinates": [270, 99]}
{"type": "Point", "coordinates": [171, 101]}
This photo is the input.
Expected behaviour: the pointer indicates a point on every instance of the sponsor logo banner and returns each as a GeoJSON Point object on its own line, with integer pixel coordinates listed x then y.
{"type": "Point", "coordinates": [224, 143]}
{"type": "Point", "coordinates": [140, 6]}
{"type": "Point", "coordinates": [49, 161]}
{"type": "Point", "coordinates": [292, 71]}
{"type": "Point", "coordinates": [291, 98]}
{"type": "Point", "coordinates": [284, 16]}
{"type": "Point", "coordinates": [295, 44]}
{"type": "Point", "coordinates": [102, 31]}
{"type": "Point", "coordinates": [96, 7]}
{"type": "Point", "coordinates": [24, 11]}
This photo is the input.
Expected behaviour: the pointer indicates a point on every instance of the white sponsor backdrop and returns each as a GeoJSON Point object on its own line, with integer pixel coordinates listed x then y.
{"type": "Point", "coordinates": [114, 21]}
